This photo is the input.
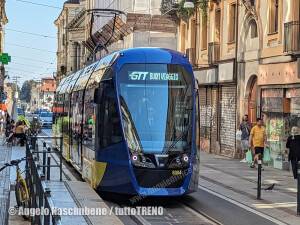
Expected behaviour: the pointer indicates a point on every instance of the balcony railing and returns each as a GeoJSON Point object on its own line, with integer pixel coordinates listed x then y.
{"type": "Point", "coordinates": [191, 55]}
{"type": "Point", "coordinates": [292, 37]}
{"type": "Point", "coordinates": [213, 52]}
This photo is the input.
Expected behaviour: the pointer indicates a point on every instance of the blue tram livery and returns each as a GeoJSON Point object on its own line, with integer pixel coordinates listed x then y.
{"type": "Point", "coordinates": [129, 123]}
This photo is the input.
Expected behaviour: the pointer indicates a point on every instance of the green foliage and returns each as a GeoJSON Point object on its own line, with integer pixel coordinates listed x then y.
{"type": "Point", "coordinates": [23, 118]}
{"type": "Point", "coordinates": [183, 13]}
{"type": "Point", "coordinates": [180, 11]}
{"type": "Point", "coordinates": [25, 94]}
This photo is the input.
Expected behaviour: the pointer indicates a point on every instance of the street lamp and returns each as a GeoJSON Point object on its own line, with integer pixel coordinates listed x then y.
{"type": "Point", "coordinates": [189, 4]}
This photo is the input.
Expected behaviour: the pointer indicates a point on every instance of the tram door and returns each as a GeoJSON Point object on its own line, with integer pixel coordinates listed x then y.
{"type": "Point", "coordinates": [75, 128]}
{"type": "Point", "coordinates": [109, 130]}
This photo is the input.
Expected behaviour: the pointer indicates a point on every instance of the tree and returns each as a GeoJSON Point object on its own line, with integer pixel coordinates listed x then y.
{"type": "Point", "coordinates": [25, 94]}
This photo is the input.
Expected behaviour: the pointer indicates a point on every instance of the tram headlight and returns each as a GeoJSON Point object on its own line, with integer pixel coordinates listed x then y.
{"type": "Point", "coordinates": [134, 158]}
{"type": "Point", "coordinates": [140, 160]}
{"type": "Point", "coordinates": [185, 158]}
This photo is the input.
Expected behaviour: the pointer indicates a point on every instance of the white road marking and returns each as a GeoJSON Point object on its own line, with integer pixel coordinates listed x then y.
{"type": "Point", "coordinates": [243, 206]}
{"type": "Point", "coordinates": [276, 205]}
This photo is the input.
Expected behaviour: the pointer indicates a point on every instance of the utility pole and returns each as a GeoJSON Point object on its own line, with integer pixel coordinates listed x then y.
{"type": "Point", "coordinates": [16, 96]}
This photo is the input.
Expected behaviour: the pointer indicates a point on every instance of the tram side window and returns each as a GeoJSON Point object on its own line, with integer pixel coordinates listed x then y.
{"type": "Point", "coordinates": [89, 120]}
{"type": "Point", "coordinates": [110, 125]}
{"type": "Point", "coordinates": [65, 122]}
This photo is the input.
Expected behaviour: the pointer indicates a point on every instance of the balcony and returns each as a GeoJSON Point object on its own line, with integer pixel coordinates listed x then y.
{"type": "Point", "coordinates": [213, 52]}
{"type": "Point", "coordinates": [292, 37]}
{"type": "Point", "coordinates": [191, 55]}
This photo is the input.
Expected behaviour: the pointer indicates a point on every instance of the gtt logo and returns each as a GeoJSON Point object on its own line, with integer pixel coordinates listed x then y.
{"type": "Point", "coordinates": [136, 75]}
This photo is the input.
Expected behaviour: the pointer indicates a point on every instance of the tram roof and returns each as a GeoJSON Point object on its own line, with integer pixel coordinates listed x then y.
{"type": "Point", "coordinates": [79, 79]}
{"type": "Point", "coordinates": [151, 55]}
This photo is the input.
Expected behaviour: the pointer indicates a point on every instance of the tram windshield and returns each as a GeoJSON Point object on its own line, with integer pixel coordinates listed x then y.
{"type": "Point", "coordinates": [156, 103]}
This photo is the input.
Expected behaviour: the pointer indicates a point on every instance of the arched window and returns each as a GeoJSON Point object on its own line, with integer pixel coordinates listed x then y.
{"type": "Point", "coordinates": [253, 28]}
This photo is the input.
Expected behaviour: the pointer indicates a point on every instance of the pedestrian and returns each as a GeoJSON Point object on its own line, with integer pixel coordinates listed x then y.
{"type": "Point", "coordinates": [2, 120]}
{"type": "Point", "coordinates": [245, 128]}
{"type": "Point", "coordinates": [258, 141]}
{"type": "Point", "coordinates": [20, 132]}
{"type": "Point", "coordinates": [293, 144]}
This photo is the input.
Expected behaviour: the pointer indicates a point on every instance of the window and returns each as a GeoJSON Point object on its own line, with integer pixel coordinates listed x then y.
{"type": "Point", "coordinates": [253, 28]}
{"type": "Point", "coordinates": [204, 32]}
{"type": "Point", "coordinates": [109, 121]}
{"type": "Point", "coordinates": [232, 23]}
{"type": "Point", "coordinates": [273, 16]}
{"type": "Point", "coordinates": [217, 25]}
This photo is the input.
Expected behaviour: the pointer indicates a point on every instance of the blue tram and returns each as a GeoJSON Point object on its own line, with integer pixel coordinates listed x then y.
{"type": "Point", "coordinates": [128, 123]}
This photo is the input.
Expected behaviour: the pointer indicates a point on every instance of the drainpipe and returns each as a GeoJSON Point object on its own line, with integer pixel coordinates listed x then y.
{"type": "Point", "coordinates": [237, 93]}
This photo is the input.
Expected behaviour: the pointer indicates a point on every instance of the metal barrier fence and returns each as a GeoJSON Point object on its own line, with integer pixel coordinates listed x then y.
{"type": "Point", "coordinates": [37, 172]}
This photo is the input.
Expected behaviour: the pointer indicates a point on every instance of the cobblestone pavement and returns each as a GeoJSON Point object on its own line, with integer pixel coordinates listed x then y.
{"type": "Point", "coordinates": [5, 155]}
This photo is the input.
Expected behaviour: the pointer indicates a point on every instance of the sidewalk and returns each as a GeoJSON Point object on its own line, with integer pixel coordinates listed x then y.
{"type": "Point", "coordinates": [236, 181]}
{"type": "Point", "coordinates": [5, 155]}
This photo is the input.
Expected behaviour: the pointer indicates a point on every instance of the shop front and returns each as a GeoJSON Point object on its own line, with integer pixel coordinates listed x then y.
{"type": "Point", "coordinates": [208, 116]}
{"type": "Point", "coordinates": [217, 94]}
{"type": "Point", "coordinates": [280, 107]}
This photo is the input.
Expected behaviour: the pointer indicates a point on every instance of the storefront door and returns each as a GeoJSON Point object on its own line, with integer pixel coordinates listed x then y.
{"type": "Point", "coordinates": [252, 102]}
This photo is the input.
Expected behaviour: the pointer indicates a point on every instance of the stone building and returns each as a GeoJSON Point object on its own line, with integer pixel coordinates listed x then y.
{"type": "Point", "coordinates": [47, 90]}
{"type": "Point", "coordinates": [36, 97]}
{"type": "Point", "coordinates": [246, 60]}
{"type": "Point", "coordinates": [70, 35]}
{"type": "Point", "coordinates": [3, 21]}
{"type": "Point", "coordinates": [269, 66]}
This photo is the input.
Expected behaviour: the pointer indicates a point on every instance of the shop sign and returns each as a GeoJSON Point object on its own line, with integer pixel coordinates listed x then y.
{"type": "Point", "coordinates": [272, 93]}
{"type": "Point", "coordinates": [226, 72]}
{"type": "Point", "coordinates": [272, 104]}
{"type": "Point", "coordinates": [208, 76]}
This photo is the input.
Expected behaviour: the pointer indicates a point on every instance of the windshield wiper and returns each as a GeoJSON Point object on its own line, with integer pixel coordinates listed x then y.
{"type": "Point", "coordinates": [180, 138]}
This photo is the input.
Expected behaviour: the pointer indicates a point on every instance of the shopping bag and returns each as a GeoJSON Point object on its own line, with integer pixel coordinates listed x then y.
{"type": "Point", "coordinates": [249, 156]}
{"type": "Point", "coordinates": [238, 135]}
{"type": "Point", "coordinates": [267, 155]}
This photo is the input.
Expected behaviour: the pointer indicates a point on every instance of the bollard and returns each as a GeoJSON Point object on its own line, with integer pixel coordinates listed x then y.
{"type": "Point", "coordinates": [298, 188]}
{"type": "Point", "coordinates": [48, 167]}
{"type": "Point", "coordinates": [44, 161]}
{"type": "Point", "coordinates": [259, 179]}
{"type": "Point", "coordinates": [48, 163]}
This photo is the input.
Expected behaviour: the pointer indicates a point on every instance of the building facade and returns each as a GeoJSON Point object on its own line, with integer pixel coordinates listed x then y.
{"type": "Point", "coordinates": [3, 21]}
{"type": "Point", "coordinates": [36, 97]}
{"type": "Point", "coordinates": [70, 36]}
{"type": "Point", "coordinates": [246, 60]}
{"type": "Point", "coordinates": [47, 92]}
{"type": "Point", "coordinates": [269, 50]}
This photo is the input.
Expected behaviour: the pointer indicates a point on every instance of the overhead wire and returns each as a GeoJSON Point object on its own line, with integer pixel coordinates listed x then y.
{"type": "Point", "coordinates": [39, 4]}
{"type": "Point", "coordinates": [23, 46]}
{"type": "Point", "coordinates": [30, 33]}
{"type": "Point", "coordinates": [30, 59]}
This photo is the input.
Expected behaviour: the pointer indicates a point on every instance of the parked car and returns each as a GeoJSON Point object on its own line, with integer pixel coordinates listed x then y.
{"type": "Point", "coordinates": [46, 119]}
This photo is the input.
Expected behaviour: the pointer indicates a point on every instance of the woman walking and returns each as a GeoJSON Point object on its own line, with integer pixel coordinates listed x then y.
{"type": "Point", "coordinates": [293, 144]}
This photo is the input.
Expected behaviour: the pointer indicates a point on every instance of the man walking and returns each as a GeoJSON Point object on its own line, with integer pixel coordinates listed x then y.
{"type": "Point", "coordinates": [245, 128]}
{"type": "Point", "coordinates": [257, 141]}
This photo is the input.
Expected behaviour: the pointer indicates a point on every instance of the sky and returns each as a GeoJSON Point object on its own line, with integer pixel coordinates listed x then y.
{"type": "Point", "coordinates": [28, 63]}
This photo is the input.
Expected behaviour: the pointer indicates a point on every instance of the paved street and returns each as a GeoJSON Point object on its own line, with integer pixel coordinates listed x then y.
{"type": "Point", "coordinates": [5, 154]}
{"type": "Point", "coordinates": [114, 99]}
{"type": "Point", "coordinates": [236, 182]}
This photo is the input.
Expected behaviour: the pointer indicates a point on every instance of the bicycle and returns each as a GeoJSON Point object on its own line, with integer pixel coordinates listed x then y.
{"type": "Point", "coordinates": [21, 189]}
